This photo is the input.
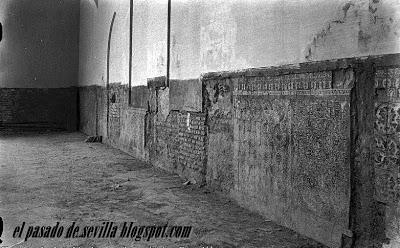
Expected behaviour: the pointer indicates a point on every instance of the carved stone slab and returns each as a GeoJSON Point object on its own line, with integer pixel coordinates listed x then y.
{"type": "Point", "coordinates": [387, 135]}
{"type": "Point", "coordinates": [318, 83]}
{"type": "Point", "coordinates": [291, 143]}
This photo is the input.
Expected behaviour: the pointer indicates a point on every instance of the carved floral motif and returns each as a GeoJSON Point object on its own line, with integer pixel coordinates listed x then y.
{"type": "Point", "coordinates": [387, 136]}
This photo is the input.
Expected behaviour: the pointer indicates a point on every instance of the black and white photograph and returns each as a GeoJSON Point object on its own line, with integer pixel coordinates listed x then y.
{"type": "Point", "coordinates": [199, 123]}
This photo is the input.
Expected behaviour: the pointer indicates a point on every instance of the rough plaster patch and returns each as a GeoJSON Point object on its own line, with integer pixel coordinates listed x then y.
{"type": "Point", "coordinates": [219, 104]}
{"type": "Point", "coordinates": [374, 26]}
{"type": "Point", "coordinates": [185, 95]}
{"type": "Point", "coordinates": [163, 105]}
{"type": "Point", "coordinates": [329, 29]}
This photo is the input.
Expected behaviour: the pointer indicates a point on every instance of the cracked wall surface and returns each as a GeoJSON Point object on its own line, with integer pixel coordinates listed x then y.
{"type": "Point", "coordinates": [232, 35]}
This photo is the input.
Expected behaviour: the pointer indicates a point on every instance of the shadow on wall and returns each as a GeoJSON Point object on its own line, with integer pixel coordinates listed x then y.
{"type": "Point", "coordinates": [39, 63]}
{"type": "Point", "coordinates": [40, 48]}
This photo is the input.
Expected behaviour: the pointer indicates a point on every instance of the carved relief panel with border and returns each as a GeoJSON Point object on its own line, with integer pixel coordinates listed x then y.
{"type": "Point", "coordinates": [387, 135]}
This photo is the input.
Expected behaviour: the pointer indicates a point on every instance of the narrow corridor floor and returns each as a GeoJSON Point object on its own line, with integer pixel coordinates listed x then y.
{"type": "Point", "coordinates": [56, 177]}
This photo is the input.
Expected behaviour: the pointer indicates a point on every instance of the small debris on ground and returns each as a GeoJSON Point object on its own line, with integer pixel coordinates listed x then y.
{"type": "Point", "coordinates": [115, 186]}
{"type": "Point", "coordinates": [187, 183]}
{"type": "Point", "coordinates": [94, 139]}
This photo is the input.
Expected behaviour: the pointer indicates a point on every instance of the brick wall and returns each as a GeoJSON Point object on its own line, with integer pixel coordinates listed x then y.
{"type": "Point", "coordinates": [191, 153]}
{"type": "Point", "coordinates": [8, 101]}
{"type": "Point", "coordinates": [181, 144]}
{"type": "Point", "coordinates": [39, 107]}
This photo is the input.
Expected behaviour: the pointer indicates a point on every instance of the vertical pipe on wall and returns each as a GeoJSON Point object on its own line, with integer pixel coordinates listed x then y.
{"type": "Point", "coordinates": [168, 42]}
{"type": "Point", "coordinates": [108, 70]}
{"type": "Point", "coordinates": [130, 50]}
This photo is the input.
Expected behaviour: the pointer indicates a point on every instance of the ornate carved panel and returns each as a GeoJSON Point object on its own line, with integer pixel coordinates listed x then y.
{"type": "Point", "coordinates": [387, 135]}
{"type": "Point", "coordinates": [292, 137]}
{"type": "Point", "coordinates": [318, 83]}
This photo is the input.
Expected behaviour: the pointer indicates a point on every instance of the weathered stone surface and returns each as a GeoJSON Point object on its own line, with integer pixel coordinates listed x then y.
{"type": "Point", "coordinates": [88, 110]}
{"type": "Point", "coordinates": [386, 149]}
{"type": "Point", "coordinates": [140, 97]}
{"type": "Point", "coordinates": [114, 107]}
{"type": "Point", "coordinates": [363, 208]}
{"type": "Point", "coordinates": [106, 113]}
{"type": "Point", "coordinates": [185, 95]}
{"type": "Point", "coordinates": [219, 105]}
{"type": "Point", "coordinates": [320, 175]}
{"type": "Point", "coordinates": [289, 138]}
{"type": "Point", "coordinates": [132, 135]}
{"type": "Point", "coordinates": [163, 104]}
{"type": "Point", "coordinates": [387, 130]}
{"type": "Point", "coordinates": [102, 111]}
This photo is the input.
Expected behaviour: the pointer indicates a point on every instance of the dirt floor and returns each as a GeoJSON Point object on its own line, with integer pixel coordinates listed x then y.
{"type": "Point", "coordinates": [56, 177]}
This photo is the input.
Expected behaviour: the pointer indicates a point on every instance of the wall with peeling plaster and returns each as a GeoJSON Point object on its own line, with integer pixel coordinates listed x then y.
{"type": "Point", "coordinates": [230, 35]}
{"type": "Point", "coordinates": [40, 43]}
